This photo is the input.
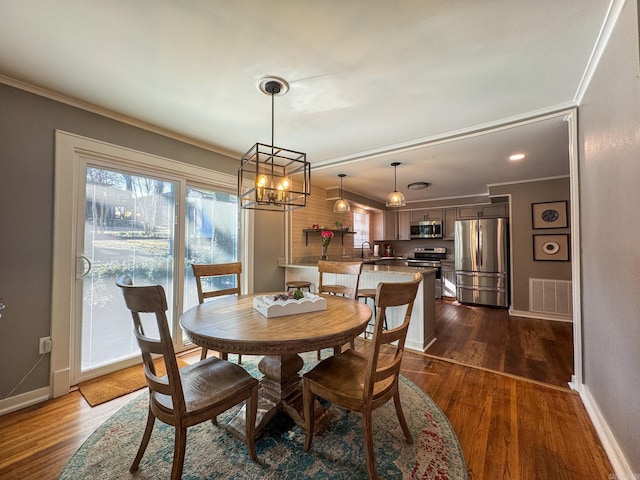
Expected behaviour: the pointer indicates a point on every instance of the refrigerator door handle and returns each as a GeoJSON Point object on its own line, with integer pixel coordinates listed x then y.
{"type": "Point", "coordinates": [480, 243]}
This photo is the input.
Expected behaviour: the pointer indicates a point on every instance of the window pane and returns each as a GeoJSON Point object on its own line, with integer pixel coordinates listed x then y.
{"type": "Point", "coordinates": [361, 227]}
{"type": "Point", "coordinates": [129, 230]}
{"type": "Point", "coordinates": [211, 236]}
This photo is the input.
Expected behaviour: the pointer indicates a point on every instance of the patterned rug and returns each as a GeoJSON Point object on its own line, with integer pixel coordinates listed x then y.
{"type": "Point", "coordinates": [337, 454]}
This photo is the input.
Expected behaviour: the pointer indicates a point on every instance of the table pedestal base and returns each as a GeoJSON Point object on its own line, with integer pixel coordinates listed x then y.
{"type": "Point", "coordinates": [280, 390]}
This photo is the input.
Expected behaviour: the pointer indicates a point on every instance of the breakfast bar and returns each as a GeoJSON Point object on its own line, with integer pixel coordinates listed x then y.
{"type": "Point", "coordinates": [421, 332]}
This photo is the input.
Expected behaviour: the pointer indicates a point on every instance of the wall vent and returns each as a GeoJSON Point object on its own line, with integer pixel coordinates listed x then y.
{"type": "Point", "coordinates": [550, 296]}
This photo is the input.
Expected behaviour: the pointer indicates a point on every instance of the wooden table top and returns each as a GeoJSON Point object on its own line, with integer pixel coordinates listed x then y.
{"type": "Point", "coordinates": [231, 324]}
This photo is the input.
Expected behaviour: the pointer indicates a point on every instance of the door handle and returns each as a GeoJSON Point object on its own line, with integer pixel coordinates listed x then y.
{"type": "Point", "coordinates": [480, 245]}
{"type": "Point", "coordinates": [87, 263]}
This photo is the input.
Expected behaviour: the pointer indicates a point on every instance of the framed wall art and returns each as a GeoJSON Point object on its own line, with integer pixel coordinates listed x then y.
{"type": "Point", "coordinates": [551, 247]}
{"type": "Point", "coordinates": [549, 214]}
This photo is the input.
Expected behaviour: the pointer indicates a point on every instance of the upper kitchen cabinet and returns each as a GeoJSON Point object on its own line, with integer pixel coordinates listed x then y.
{"type": "Point", "coordinates": [391, 225]}
{"type": "Point", "coordinates": [449, 228]}
{"type": "Point", "coordinates": [404, 224]}
{"type": "Point", "coordinates": [494, 210]}
{"type": "Point", "coordinates": [426, 214]}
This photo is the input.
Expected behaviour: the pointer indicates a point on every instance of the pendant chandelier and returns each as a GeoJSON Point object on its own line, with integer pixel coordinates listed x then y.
{"type": "Point", "coordinates": [395, 198]}
{"type": "Point", "coordinates": [342, 205]}
{"type": "Point", "coordinates": [273, 178]}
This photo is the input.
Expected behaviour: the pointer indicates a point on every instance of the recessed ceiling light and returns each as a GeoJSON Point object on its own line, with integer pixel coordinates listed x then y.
{"type": "Point", "coordinates": [417, 185]}
{"type": "Point", "coordinates": [517, 156]}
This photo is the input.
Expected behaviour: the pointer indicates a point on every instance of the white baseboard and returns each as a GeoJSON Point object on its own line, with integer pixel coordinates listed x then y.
{"type": "Point", "coordinates": [23, 400]}
{"type": "Point", "coordinates": [429, 344]}
{"type": "Point", "coordinates": [541, 316]}
{"type": "Point", "coordinates": [417, 346]}
{"type": "Point", "coordinates": [618, 461]}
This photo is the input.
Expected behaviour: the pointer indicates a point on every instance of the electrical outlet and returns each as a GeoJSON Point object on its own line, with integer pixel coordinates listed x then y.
{"type": "Point", "coordinates": [45, 345]}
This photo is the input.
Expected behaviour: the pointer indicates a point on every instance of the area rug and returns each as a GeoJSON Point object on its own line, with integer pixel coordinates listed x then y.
{"type": "Point", "coordinates": [113, 385]}
{"type": "Point", "coordinates": [213, 453]}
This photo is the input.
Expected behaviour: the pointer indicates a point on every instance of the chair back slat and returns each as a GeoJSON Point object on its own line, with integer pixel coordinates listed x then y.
{"type": "Point", "coordinates": [354, 269]}
{"type": "Point", "coordinates": [152, 299]}
{"type": "Point", "coordinates": [201, 270]}
{"type": "Point", "coordinates": [380, 368]}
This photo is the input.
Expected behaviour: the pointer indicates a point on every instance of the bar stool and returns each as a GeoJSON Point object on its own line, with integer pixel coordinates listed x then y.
{"type": "Point", "coordinates": [296, 284]}
{"type": "Point", "coordinates": [370, 293]}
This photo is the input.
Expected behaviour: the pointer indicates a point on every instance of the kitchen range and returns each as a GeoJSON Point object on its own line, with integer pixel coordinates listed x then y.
{"type": "Point", "coordinates": [429, 257]}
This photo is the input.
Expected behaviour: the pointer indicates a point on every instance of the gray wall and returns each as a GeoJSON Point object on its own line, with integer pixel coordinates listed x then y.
{"type": "Point", "coordinates": [27, 124]}
{"type": "Point", "coordinates": [609, 142]}
{"type": "Point", "coordinates": [524, 266]}
{"type": "Point", "coordinates": [267, 247]}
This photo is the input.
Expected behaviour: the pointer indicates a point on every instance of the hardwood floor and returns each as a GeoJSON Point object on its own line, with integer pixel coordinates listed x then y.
{"type": "Point", "coordinates": [508, 427]}
{"type": "Point", "coordinates": [36, 442]}
{"type": "Point", "coordinates": [490, 338]}
{"type": "Point", "coordinates": [512, 428]}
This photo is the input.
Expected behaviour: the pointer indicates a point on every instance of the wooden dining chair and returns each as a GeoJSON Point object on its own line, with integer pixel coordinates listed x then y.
{"type": "Point", "coordinates": [360, 381]}
{"type": "Point", "coordinates": [190, 395]}
{"type": "Point", "coordinates": [352, 269]}
{"type": "Point", "coordinates": [208, 272]}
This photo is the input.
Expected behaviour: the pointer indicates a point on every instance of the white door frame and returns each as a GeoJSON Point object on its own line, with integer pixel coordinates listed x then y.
{"type": "Point", "coordinates": [69, 153]}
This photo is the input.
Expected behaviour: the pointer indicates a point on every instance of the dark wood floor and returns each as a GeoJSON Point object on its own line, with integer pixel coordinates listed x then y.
{"type": "Point", "coordinates": [509, 427]}
{"type": "Point", "coordinates": [490, 338]}
{"type": "Point", "coordinates": [512, 428]}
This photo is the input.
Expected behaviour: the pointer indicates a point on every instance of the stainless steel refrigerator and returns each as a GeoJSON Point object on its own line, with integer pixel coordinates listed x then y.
{"type": "Point", "coordinates": [481, 261]}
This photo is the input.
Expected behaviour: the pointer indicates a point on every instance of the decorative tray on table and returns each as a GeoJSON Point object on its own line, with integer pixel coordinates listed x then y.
{"type": "Point", "coordinates": [282, 304]}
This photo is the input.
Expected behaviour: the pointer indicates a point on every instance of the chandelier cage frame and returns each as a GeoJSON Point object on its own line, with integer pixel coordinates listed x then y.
{"type": "Point", "coordinates": [273, 178]}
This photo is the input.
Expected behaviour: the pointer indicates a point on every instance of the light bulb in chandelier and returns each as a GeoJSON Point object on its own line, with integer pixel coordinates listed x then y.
{"type": "Point", "coordinates": [283, 188]}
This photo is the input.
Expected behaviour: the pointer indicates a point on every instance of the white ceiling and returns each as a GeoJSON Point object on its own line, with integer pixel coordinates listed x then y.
{"type": "Point", "coordinates": [371, 81]}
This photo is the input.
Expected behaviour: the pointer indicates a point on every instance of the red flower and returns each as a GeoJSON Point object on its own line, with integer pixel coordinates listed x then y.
{"type": "Point", "coordinates": [326, 237]}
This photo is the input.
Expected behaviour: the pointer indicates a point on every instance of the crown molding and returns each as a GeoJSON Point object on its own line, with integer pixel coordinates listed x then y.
{"type": "Point", "coordinates": [134, 122]}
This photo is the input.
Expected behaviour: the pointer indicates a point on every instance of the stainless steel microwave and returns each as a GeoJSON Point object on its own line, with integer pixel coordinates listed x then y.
{"type": "Point", "coordinates": [426, 229]}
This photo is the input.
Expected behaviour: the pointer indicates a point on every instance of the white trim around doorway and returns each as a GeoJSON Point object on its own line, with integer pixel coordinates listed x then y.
{"type": "Point", "coordinates": [69, 151]}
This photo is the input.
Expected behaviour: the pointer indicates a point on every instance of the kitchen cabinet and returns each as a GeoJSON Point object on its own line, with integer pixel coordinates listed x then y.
{"type": "Point", "coordinates": [448, 275]}
{"type": "Point", "coordinates": [385, 226]}
{"type": "Point", "coordinates": [391, 225]}
{"type": "Point", "coordinates": [450, 216]}
{"type": "Point", "coordinates": [426, 214]}
{"type": "Point", "coordinates": [417, 215]}
{"type": "Point", "coordinates": [493, 210]}
{"type": "Point", "coordinates": [404, 222]}
{"type": "Point", "coordinates": [433, 214]}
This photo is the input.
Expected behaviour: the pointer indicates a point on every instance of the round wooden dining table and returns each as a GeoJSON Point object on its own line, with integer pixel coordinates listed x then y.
{"type": "Point", "coordinates": [231, 324]}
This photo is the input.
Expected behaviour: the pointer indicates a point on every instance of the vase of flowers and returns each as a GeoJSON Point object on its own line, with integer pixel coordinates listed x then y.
{"type": "Point", "coordinates": [325, 239]}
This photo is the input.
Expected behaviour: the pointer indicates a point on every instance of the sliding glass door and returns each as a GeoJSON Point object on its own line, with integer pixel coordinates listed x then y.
{"type": "Point", "coordinates": [119, 211]}
{"type": "Point", "coordinates": [130, 226]}
{"type": "Point", "coordinates": [129, 229]}
{"type": "Point", "coordinates": [211, 235]}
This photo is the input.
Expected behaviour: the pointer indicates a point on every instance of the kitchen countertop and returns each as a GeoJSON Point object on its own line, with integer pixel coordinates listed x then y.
{"type": "Point", "coordinates": [421, 331]}
{"type": "Point", "coordinates": [367, 268]}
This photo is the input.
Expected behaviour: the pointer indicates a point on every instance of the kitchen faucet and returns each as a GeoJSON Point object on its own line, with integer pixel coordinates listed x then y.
{"type": "Point", "coordinates": [362, 248]}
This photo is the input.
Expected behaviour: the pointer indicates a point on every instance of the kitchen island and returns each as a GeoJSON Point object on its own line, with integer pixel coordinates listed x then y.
{"type": "Point", "coordinates": [421, 333]}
